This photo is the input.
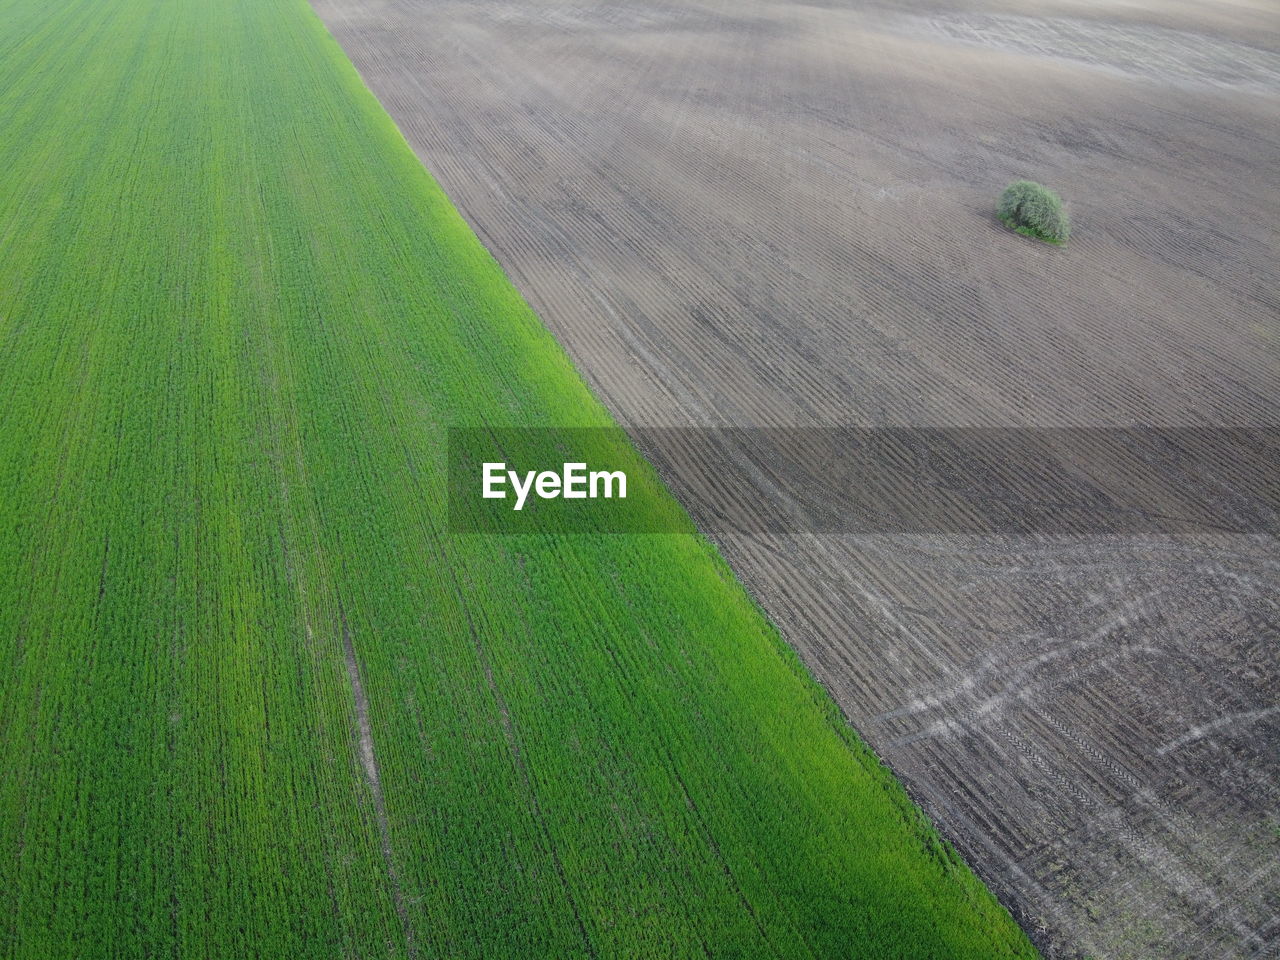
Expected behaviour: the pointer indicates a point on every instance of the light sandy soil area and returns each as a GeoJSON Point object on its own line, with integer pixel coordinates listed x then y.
{"type": "Point", "coordinates": [780, 214]}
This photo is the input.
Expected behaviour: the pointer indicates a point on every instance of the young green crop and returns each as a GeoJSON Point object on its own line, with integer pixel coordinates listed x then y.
{"type": "Point", "coordinates": [236, 317]}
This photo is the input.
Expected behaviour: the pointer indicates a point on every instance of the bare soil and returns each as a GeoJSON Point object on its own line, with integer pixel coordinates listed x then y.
{"type": "Point", "coordinates": [776, 214]}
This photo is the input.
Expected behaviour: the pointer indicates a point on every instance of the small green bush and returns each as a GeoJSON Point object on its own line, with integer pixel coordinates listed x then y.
{"type": "Point", "coordinates": [1035, 211]}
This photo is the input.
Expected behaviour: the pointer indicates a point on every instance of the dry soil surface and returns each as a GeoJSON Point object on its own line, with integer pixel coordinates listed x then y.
{"type": "Point", "coordinates": [775, 214]}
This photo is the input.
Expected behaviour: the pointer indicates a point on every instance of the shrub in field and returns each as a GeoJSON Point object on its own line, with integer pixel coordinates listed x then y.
{"type": "Point", "coordinates": [1035, 211]}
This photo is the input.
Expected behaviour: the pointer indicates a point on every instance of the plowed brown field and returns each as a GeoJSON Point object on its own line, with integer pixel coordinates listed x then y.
{"type": "Point", "coordinates": [774, 214]}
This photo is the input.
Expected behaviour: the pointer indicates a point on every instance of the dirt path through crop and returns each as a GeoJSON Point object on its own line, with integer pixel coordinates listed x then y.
{"type": "Point", "coordinates": [369, 761]}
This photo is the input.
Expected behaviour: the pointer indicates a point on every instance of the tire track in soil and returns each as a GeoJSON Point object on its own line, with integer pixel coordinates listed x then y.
{"type": "Point", "coordinates": [369, 762]}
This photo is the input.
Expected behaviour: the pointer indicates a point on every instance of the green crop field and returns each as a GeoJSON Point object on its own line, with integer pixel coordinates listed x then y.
{"type": "Point", "coordinates": [257, 700]}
